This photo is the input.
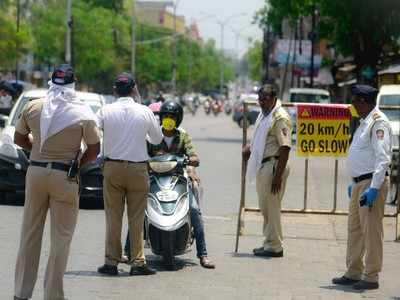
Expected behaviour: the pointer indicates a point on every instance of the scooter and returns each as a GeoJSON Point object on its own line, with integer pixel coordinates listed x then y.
{"type": "Point", "coordinates": [167, 220]}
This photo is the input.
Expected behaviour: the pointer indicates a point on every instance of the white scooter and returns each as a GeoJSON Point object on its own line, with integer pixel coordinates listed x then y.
{"type": "Point", "coordinates": [167, 221]}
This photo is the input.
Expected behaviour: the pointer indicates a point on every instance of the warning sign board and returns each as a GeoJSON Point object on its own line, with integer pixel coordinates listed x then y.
{"type": "Point", "coordinates": [323, 130]}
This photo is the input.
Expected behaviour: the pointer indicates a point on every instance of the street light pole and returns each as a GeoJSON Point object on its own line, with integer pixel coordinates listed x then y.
{"type": "Point", "coordinates": [174, 54]}
{"type": "Point", "coordinates": [221, 63]}
{"type": "Point", "coordinates": [68, 55]}
{"type": "Point", "coordinates": [17, 41]}
{"type": "Point", "coordinates": [133, 39]}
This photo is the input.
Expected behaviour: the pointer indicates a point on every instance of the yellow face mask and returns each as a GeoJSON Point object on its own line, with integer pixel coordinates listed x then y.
{"type": "Point", "coordinates": [168, 124]}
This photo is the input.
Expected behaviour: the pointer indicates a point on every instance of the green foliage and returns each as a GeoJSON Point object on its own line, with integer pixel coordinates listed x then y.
{"type": "Point", "coordinates": [101, 47]}
{"type": "Point", "coordinates": [362, 28]}
{"type": "Point", "coordinates": [254, 58]}
{"type": "Point", "coordinates": [10, 39]}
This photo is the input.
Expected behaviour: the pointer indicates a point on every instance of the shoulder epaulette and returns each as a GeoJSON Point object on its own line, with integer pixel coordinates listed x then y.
{"type": "Point", "coordinates": [376, 116]}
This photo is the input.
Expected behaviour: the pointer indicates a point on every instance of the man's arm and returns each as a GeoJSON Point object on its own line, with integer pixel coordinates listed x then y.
{"type": "Point", "coordinates": [280, 169]}
{"type": "Point", "coordinates": [381, 143]}
{"type": "Point", "coordinates": [282, 131]}
{"type": "Point", "coordinates": [154, 134]}
{"type": "Point", "coordinates": [90, 154]}
{"type": "Point", "coordinates": [23, 140]}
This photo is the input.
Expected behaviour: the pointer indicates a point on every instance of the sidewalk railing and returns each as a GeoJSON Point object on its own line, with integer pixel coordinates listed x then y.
{"type": "Point", "coordinates": [304, 210]}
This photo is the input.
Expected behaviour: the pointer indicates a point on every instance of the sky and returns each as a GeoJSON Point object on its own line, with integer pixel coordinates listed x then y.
{"type": "Point", "coordinates": [207, 12]}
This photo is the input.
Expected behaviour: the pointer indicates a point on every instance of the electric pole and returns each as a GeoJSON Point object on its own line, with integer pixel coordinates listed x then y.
{"type": "Point", "coordinates": [17, 41]}
{"type": "Point", "coordinates": [221, 64]}
{"type": "Point", "coordinates": [312, 46]}
{"type": "Point", "coordinates": [174, 54]}
{"type": "Point", "coordinates": [133, 39]}
{"type": "Point", "coordinates": [68, 56]}
{"type": "Point", "coordinates": [266, 52]}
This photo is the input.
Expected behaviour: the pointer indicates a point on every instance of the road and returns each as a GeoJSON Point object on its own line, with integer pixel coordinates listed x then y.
{"type": "Point", "coordinates": [314, 245]}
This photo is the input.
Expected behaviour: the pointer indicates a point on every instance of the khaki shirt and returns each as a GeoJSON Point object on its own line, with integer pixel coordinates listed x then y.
{"type": "Point", "coordinates": [61, 147]}
{"type": "Point", "coordinates": [280, 133]}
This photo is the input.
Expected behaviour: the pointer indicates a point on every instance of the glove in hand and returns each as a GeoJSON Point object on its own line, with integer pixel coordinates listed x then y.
{"type": "Point", "coordinates": [370, 196]}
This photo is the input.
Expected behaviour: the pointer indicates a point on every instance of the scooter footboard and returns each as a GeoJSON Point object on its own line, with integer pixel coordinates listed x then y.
{"type": "Point", "coordinates": [180, 239]}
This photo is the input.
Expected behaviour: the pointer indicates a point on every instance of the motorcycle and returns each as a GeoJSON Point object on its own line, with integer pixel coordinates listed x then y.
{"type": "Point", "coordinates": [228, 108]}
{"type": "Point", "coordinates": [167, 220]}
{"type": "Point", "coordinates": [207, 107]}
{"type": "Point", "coordinates": [216, 108]}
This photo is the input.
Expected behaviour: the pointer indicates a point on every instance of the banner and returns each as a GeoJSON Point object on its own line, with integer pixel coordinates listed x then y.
{"type": "Point", "coordinates": [323, 130]}
{"type": "Point", "coordinates": [300, 56]}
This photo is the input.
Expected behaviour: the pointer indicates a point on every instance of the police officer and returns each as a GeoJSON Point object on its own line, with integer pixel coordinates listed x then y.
{"type": "Point", "coordinates": [268, 155]}
{"type": "Point", "coordinates": [126, 124]}
{"type": "Point", "coordinates": [52, 130]}
{"type": "Point", "coordinates": [368, 164]}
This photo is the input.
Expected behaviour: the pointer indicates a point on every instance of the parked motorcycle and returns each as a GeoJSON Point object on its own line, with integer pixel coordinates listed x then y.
{"type": "Point", "coordinates": [167, 221]}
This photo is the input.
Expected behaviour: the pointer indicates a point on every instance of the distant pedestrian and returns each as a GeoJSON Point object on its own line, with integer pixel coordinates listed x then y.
{"type": "Point", "coordinates": [268, 155]}
{"type": "Point", "coordinates": [57, 125]}
{"type": "Point", "coordinates": [126, 126]}
{"type": "Point", "coordinates": [368, 164]}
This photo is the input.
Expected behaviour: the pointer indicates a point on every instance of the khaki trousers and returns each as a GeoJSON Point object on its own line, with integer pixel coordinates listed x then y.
{"type": "Point", "coordinates": [270, 205]}
{"type": "Point", "coordinates": [130, 181]}
{"type": "Point", "coordinates": [365, 234]}
{"type": "Point", "coordinates": [46, 189]}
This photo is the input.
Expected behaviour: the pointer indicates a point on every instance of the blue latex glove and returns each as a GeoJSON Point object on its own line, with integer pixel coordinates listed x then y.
{"type": "Point", "coordinates": [349, 190]}
{"type": "Point", "coordinates": [370, 194]}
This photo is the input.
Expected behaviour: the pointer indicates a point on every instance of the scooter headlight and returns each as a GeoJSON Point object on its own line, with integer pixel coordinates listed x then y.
{"type": "Point", "coordinates": [167, 196]}
{"type": "Point", "coordinates": [162, 167]}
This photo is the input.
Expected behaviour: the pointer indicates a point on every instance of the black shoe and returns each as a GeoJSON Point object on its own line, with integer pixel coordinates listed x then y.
{"type": "Point", "coordinates": [267, 253]}
{"type": "Point", "coordinates": [205, 262]}
{"type": "Point", "coordinates": [261, 249]}
{"type": "Point", "coordinates": [18, 298]}
{"type": "Point", "coordinates": [141, 270]}
{"type": "Point", "coordinates": [108, 270]}
{"type": "Point", "coordinates": [344, 280]}
{"type": "Point", "coordinates": [365, 285]}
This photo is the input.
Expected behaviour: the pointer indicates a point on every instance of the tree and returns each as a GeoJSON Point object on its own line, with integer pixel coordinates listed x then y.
{"type": "Point", "coordinates": [254, 58]}
{"type": "Point", "coordinates": [10, 38]}
{"type": "Point", "coordinates": [361, 28]}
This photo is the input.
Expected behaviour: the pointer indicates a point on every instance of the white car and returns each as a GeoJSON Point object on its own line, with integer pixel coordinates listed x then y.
{"type": "Point", "coordinates": [14, 161]}
{"type": "Point", "coordinates": [389, 95]}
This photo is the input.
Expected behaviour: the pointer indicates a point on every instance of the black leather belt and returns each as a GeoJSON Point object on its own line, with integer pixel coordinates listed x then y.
{"type": "Point", "coordinates": [53, 165]}
{"type": "Point", "coordinates": [266, 159]}
{"type": "Point", "coordinates": [123, 161]}
{"type": "Point", "coordinates": [365, 177]}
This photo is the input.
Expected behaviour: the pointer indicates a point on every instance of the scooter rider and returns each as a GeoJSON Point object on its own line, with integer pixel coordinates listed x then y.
{"type": "Point", "coordinates": [177, 141]}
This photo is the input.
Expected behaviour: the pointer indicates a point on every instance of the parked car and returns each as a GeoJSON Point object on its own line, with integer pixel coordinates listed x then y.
{"type": "Point", "coordinates": [14, 161]}
{"type": "Point", "coordinates": [305, 95]}
{"type": "Point", "coordinates": [252, 113]}
{"type": "Point", "coordinates": [389, 95]}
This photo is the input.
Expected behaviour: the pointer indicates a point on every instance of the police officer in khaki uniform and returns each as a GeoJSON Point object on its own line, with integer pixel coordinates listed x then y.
{"type": "Point", "coordinates": [368, 164]}
{"type": "Point", "coordinates": [52, 130]}
{"type": "Point", "coordinates": [268, 155]}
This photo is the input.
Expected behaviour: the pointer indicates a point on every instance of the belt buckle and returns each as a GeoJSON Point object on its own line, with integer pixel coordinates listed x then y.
{"type": "Point", "coordinates": [48, 166]}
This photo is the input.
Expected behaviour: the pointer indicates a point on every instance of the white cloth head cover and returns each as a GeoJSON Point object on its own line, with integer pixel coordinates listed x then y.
{"type": "Point", "coordinates": [61, 109]}
{"type": "Point", "coordinates": [257, 146]}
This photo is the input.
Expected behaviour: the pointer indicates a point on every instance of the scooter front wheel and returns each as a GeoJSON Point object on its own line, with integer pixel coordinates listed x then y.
{"type": "Point", "coordinates": [167, 243]}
